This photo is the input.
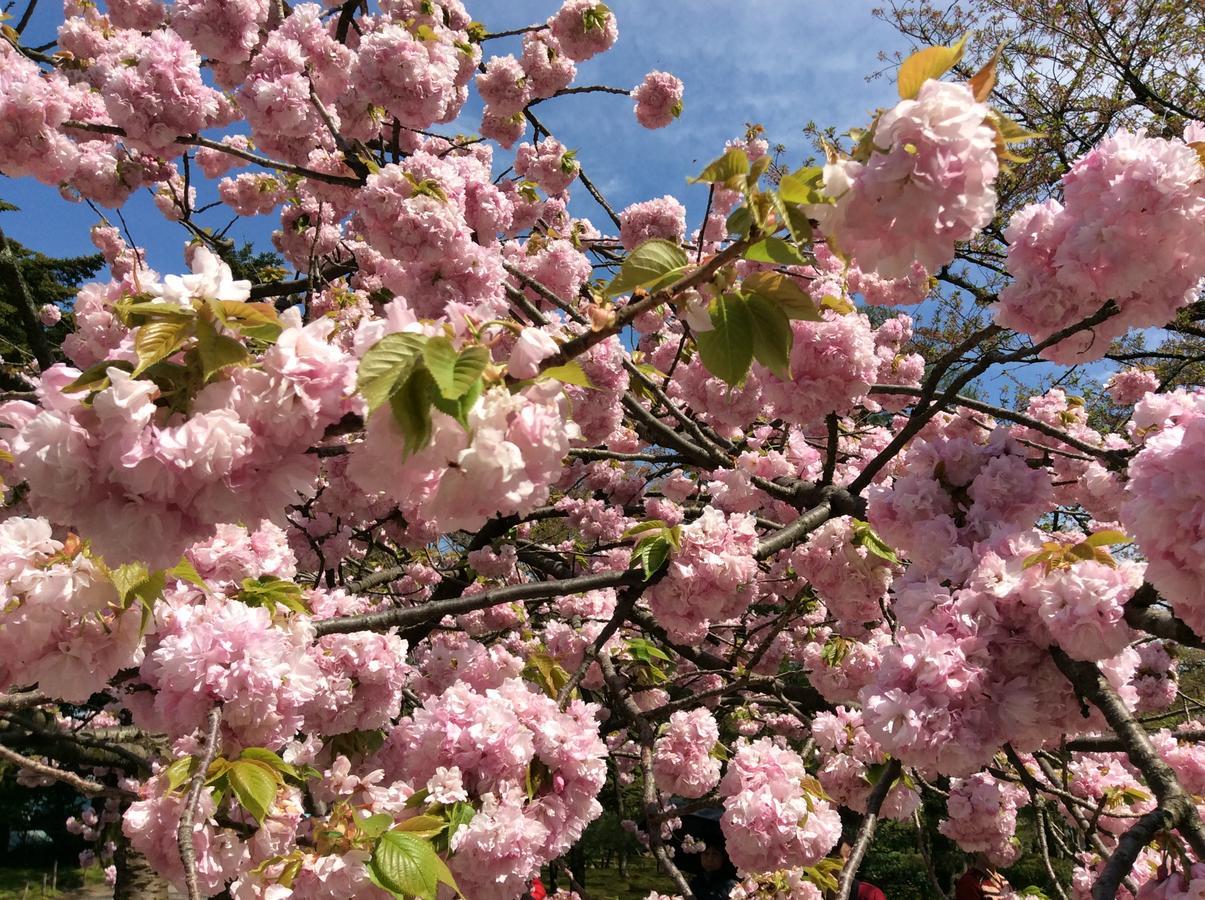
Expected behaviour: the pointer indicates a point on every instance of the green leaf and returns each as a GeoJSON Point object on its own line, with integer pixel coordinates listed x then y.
{"type": "Point", "coordinates": [411, 405]}
{"type": "Point", "coordinates": [1105, 538]}
{"type": "Point", "coordinates": [460, 408]}
{"type": "Point", "coordinates": [96, 378]}
{"type": "Point", "coordinates": [271, 760]}
{"type": "Point", "coordinates": [375, 826]}
{"type": "Point", "coordinates": [386, 366]}
{"type": "Point", "coordinates": [864, 536]}
{"type": "Point", "coordinates": [254, 785]}
{"type": "Point", "coordinates": [570, 373]}
{"type": "Point", "coordinates": [772, 335]}
{"type": "Point", "coordinates": [785, 292]}
{"type": "Point", "coordinates": [179, 772]}
{"type": "Point", "coordinates": [650, 525]}
{"type": "Point", "coordinates": [649, 263]}
{"type": "Point", "coordinates": [644, 650]}
{"type": "Point", "coordinates": [269, 591]}
{"type": "Point", "coordinates": [138, 312]}
{"type": "Point", "coordinates": [775, 250]}
{"type": "Point", "coordinates": [458, 814]}
{"type": "Point", "coordinates": [253, 320]}
{"type": "Point", "coordinates": [932, 62]}
{"type": "Point", "coordinates": [156, 341]}
{"type": "Point", "coordinates": [729, 170]}
{"type": "Point", "coordinates": [839, 305]}
{"type": "Point", "coordinates": [543, 670]}
{"type": "Point", "coordinates": [804, 185]}
{"type": "Point", "coordinates": [217, 351]}
{"type": "Point", "coordinates": [651, 554]}
{"type": "Point", "coordinates": [727, 350]}
{"type": "Point", "coordinates": [739, 221]}
{"type": "Point", "coordinates": [408, 866]}
{"type": "Point", "coordinates": [796, 219]}
{"type": "Point", "coordinates": [185, 571]}
{"type": "Point", "coordinates": [422, 826]}
{"type": "Point", "coordinates": [454, 372]}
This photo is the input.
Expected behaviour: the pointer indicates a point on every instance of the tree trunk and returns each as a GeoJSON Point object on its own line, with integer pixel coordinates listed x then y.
{"type": "Point", "coordinates": [136, 880]}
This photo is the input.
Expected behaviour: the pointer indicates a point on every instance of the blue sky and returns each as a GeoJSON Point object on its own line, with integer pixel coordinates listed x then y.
{"type": "Point", "coordinates": [780, 63]}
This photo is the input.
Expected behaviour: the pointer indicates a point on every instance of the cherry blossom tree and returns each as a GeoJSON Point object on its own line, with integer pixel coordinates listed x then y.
{"type": "Point", "coordinates": [366, 580]}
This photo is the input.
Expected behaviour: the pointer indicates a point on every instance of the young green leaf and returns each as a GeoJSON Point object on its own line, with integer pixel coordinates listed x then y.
{"type": "Point", "coordinates": [775, 250]}
{"type": "Point", "coordinates": [932, 62]}
{"type": "Point", "coordinates": [782, 290]}
{"type": "Point", "coordinates": [408, 866]}
{"type": "Point", "coordinates": [386, 366]}
{"type": "Point", "coordinates": [158, 340]}
{"type": "Point", "coordinates": [802, 186]}
{"type": "Point", "coordinates": [727, 350]}
{"type": "Point", "coordinates": [185, 571]}
{"type": "Point", "coordinates": [423, 826]}
{"type": "Point", "coordinates": [270, 759]}
{"type": "Point", "coordinates": [179, 772]}
{"type": "Point", "coordinates": [772, 335]}
{"type": "Point", "coordinates": [376, 825]}
{"type": "Point", "coordinates": [254, 785]}
{"type": "Point", "coordinates": [1107, 537]}
{"type": "Point", "coordinates": [411, 406]}
{"type": "Point", "coordinates": [729, 170]}
{"type": "Point", "coordinates": [454, 372]}
{"type": "Point", "coordinates": [217, 351]}
{"type": "Point", "coordinates": [253, 320]}
{"type": "Point", "coordinates": [648, 264]}
{"type": "Point", "coordinates": [570, 373]}
{"type": "Point", "coordinates": [96, 378]}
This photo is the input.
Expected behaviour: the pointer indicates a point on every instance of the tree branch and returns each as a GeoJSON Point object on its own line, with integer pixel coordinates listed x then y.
{"type": "Point", "coordinates": [83, 785]}
{"type": "Point", "coordinates": [426, 612]}
{"type": "Point", "coordinates": [184, 833]}
{"type": "Point", "coordinates": [866, 830]}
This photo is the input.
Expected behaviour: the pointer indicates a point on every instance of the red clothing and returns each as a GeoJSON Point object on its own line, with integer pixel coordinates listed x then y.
{"type": "Point", "coordinates": [869, 892]}
{"type": "Point", "coordinates": [536, 891]}
{"type": "Point", "coordinates": [977, 885]}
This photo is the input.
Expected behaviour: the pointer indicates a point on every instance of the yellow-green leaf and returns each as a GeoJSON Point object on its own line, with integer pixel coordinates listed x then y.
{"type": "Point", "coordinates": [648, 266]}
{"type": "Point", "coordinates": [411, 406]}
{"type": "Point", "coordinates": [569, 373]}
{"type": "Point", "coordinates": [217, 351]}
{"type": "Point", "coordinates": [932, 62]}
{"type": "Point", "coordinates": [1107, 537]}
{"type": "Point", "coordinates": [254, 785]}
{"type": "Point", "coordinates": [454, 371]}
{"type": "Point", "coordinates": [385, 367]}
{"type": "Point", "coordinates": [157, 340]}
{"type": "Point", "coordinates": [784, 291]}
{"type": "Point", "coordinates": [728, 170]}
{"type": "Point", "coordinates": [775, 250]}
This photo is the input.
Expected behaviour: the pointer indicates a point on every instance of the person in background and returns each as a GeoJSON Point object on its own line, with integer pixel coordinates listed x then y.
{"type": "Point", "coordinates": [981, 882]}
{"type": "Point", "coordinates": [717, 878]}
{"type": "Point", "coordinates": [861, 890]}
